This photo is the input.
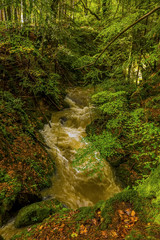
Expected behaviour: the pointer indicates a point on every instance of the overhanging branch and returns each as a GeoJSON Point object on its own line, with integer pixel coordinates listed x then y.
{"type": "Point", "coordinates": [117, 36]}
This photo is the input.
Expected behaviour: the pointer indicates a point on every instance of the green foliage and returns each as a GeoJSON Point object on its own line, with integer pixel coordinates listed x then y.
{"type": "Point", "coordinates": [150, 188]}
{"type": "Point", "coordinates": [89, 161]}
{"type": "Point", "coordinates": [110, 103]}
{"type": "Point", "coordinates": [112, 29]}
{"type": "Point", "coordinates": [11, 103]}
{"type": "Point", "coordinates": [82, 61]}
{"type": "Point", "coordinates": [13, 106]}
{"type": "Point", "coordinates": [94, 76]}
{"type": "Point", "coordinates": [106, 144]}
{"type": "Point", "coordinates": [122, 133]}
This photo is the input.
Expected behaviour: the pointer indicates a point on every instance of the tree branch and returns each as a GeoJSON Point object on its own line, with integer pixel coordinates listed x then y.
{"type": "Point", "coordinates": [88, 9]}
{"type": "Point", "coordinates": [117, 36]}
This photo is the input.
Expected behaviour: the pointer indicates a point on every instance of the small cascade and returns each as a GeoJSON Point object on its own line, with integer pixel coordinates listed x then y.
{"type": "Point", "coordinates": [74, 188]}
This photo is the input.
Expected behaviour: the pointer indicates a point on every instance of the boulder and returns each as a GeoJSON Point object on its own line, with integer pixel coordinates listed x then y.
{"type": "Point", "coordinates": [36, 212]}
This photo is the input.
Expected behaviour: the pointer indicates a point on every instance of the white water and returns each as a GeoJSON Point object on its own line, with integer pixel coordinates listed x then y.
{"type": "Point", "coordinates": [70, 186]}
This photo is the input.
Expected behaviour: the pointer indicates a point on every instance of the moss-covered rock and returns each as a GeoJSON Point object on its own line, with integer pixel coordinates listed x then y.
{"type": "Point", "coordinates": [130, 196]}
{"type": "Point", "coordinates": [37, 212]}
{"type": "Point", "coordinates": [107, 208]}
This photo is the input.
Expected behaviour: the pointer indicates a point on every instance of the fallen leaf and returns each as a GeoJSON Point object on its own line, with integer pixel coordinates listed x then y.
{"type": "Point", "coordinates": [120, 212]}
{"type": "Point", "coordinates": [132, 219]}
{"type": "Point", "coordinates": [136, 219]}
{"type": "Point", "coordinates": [104, 234]}
{"type": "Point", "coordinates": [83, 230]}
{"type": "Point", "coordinates": [73, 235]}
{"type": "Point", "coordinates": [114, 234]}
{"type": "Point", "coordinates": [128, 211]}
{"type": "Point", "coordinates": [62, 226]}
{"type": "Point", "coordinates": [133, 213]}
{"type": "Point", "coordinates": [94, 221]}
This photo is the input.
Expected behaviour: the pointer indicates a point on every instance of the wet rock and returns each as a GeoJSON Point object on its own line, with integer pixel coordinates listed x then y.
{"type": "Point", "coordinates": [63, 120]}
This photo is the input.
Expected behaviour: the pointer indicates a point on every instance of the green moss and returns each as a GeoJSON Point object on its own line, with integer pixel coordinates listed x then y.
{"type": "Point", "coordinates": [84, 213]}
{"type": "Point", "coordinates": [37, 212]}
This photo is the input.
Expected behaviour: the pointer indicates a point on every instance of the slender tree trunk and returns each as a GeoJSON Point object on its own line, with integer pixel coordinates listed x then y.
{"type": "Point", "coordinates": [22, 19]}
{"type": "Point", "coordinates": [1, 16]}
{"type": "Point", "coordinates": [4, 15]}
{"type": "Point", "coordinates": [8, 13]}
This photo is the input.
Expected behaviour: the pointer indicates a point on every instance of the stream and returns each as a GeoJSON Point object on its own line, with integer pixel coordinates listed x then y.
{"type": "Point", "coordinates": [74, 188]}
{"type": "Point", "coordinates": [70, 186]}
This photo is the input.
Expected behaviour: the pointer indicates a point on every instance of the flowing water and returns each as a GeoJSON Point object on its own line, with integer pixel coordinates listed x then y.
{"type": "Point", "coordinates": [73, 188]}
{"type": "Point", "coordinates": [8, 230]}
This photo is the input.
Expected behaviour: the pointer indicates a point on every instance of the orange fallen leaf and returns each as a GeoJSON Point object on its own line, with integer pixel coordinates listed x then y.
{"type": "Point", "coordinates": [133, 213]}
{"type": "Point", "coordinates": [94, 221]}
{"type": "Point", "coordinates": [120, 212]}
{"type": "Point", "coordinates": [132, 219]}
{"type": "Point", "coordinates": [114, 234]}
{"type": "Point", "coordinates": [104, 234]}
{"type": "Point", "coordinates": [136, 219]}
{"type": "Point", "coordinates": [62, 226]}
{"type": "Point", "coordinates": [83, 229]}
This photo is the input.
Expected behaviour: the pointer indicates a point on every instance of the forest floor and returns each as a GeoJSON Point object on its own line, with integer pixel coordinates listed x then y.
{"type": "Point", "coordinates": [125, 222]}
